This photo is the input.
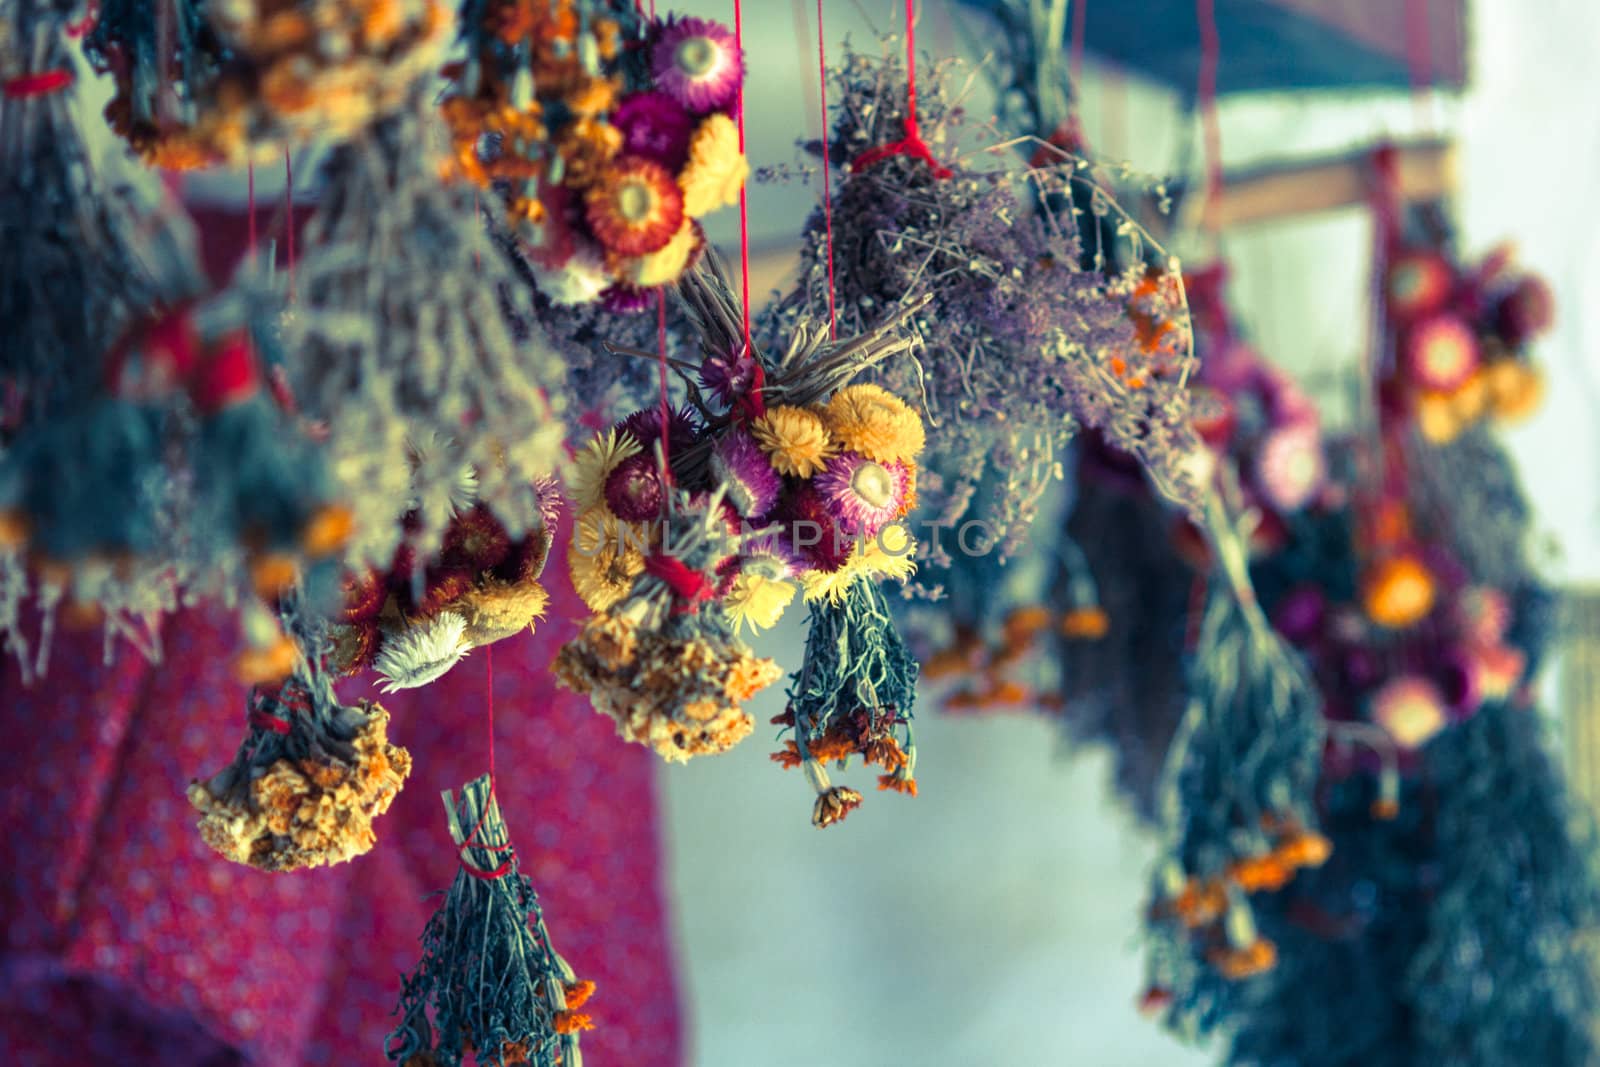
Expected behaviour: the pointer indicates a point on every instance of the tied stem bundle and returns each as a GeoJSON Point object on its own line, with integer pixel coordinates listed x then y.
{"type": "Point", "coordinates": [490, 982]}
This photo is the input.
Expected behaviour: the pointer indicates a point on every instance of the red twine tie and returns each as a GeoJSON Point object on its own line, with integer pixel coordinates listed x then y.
{"type": "Point", "coordinates": [911, 144]}
{"type": "Point", "coordinates": [43, 83]}
{"type": "Point", "coordinates": [689, 587]}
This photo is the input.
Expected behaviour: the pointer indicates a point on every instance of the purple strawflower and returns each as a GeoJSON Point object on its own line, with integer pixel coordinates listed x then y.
{"type": "Point", "coordinates": [863, 495]}
{"type": "Point", "coordinates": [771, 556]}
{"type": "Point", "coordinates": [1289, 466]}
{"type": "Point", "coordinates": [697, 63]}
{"type": "Point", "coordinates": [814, 531]}
{"type": "Point", "coordinates": [644, 426]}
{"type": "Point", "coordinates": [742, 468]}
{"type": "Point", "coordinates": [623, 299]}
{"type": "Point", "coordinates": [727, 377]}
{"type": "Point", "coordinates": [655, 126]}
{"type": "Point", "coordinates": [633, 491]}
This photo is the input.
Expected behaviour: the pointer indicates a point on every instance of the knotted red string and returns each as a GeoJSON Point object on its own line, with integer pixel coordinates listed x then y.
{"type": "Point", "coordinates": [43, 83]}
{"type": "Point", "coordinates": [85, 24]}
{"type": "Point", "coordinates": [911, 144]}
{"type": "Point", "coordinates": [468, 841]}
{"type": "Point", "coordinates": [689, 587]}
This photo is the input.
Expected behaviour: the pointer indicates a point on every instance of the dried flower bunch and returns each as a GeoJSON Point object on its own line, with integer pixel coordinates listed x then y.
{"type": "Point", "coordinates": [420, 617]}
{"type": "Point", "coordinates": [308, 780]}
{"type": "Point", "coordinates": [156, 459]}
{"type": "Point", "coordinates": [397, 342]}
{"type": "Point", "coordinates": [661, 656]}
{"type": "Point", "coordinates": [608, 135]}
{"type": "Point", "coordinates": [209, 81]}
{"type": "Point", "coordinates": [1020, 344]}
{"type": "Point", "coordinates": [1459, 337]}
{"type": "Point", "coordinates": [1238, 806]}
{"type": "Point", "coordinates": [490, 983]}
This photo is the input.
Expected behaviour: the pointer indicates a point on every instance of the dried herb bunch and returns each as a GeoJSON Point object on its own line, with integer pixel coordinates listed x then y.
{"type": "Point", "coordinates": [853, 695]}
{"type": "Point", "coordinates": [490, 983]}
{"type": "Point", "coordinates": [1019, 344]}
{"type": "Point", "coordinates": [1238, 796]}
{"type": "Point", "coordinates": [201, 82]}
{"type": "Point", "coordinates": [397, 341]}
{"type": "Point", "coordinates": [309, 778]}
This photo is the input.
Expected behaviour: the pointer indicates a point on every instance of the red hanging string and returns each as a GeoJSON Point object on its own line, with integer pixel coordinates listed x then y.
{"type": "Point", "coordinates": [250, 207]}
{"type": "Point", "coordinates": [1206, 98]}
{"type": "Point", "coordinates": [827, 165]}
{"type": "Point", "coordinates": [85, 24]}
{"type": "Point", "coordinates": [468, 841]}
{"type": "Point", "coordinates": [912, 143]}
{"type": "Point", "coordinates": [1080, 18]}
{"type": "Point", "coordinates": [288, 211]}
{"type": "Point", "coordinates": [41, 84]}
{"type": "Point", "coordinates": [1419, 56]}
{"type": "Point", "coordinates": [744, 215]}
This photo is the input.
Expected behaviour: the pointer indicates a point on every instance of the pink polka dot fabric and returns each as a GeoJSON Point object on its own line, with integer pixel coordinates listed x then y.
{"type": "Point", "coordinates": [128, 941]}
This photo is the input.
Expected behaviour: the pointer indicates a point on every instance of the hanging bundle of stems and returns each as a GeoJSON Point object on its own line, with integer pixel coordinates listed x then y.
{"type": "Point", "coordinates": [490, 981]}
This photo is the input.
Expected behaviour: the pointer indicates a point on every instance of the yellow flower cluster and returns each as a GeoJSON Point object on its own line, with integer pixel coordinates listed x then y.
{"type": "Point", "coordinates": [307, 813]}
{"type": "Point", "coordinates": [681, 696]}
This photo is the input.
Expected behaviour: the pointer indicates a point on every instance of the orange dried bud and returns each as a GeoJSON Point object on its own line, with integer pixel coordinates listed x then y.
{"type": "Point", "coordinates": [272, 574]}
{"type": "Point", "coordinates": [1385, 809]}
{"type": "Point", "coordinates": [571, 1022]}
{"type": "Point", "coordinates": [1398, 592]}
{"type": "Point", "coordinates": [1305, 849]}
{"type": "Point", "coordinates": [1023, 623]}
{"type": "Point", "coordinates": [259, 666]}
{"type": "Point", "coordinates": [328, 530]}
{"type": "Point", "coordinates": [789, 757]}
{"type": "Point", "coordinates": [578, 993]}
{"type": "Point", "coordinates": [1085, 624]}
{"type": "Point", "coordinates": [1260, 874]}
{"type": "Point", "coordinates": [1236, 963]}
{"type": "Point", "coordinates": [1200, 903]}
{"type": "Point", "coordinates": [898, 784]}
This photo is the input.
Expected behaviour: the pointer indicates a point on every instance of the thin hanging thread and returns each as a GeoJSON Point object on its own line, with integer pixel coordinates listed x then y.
{"type": "Point", "coordinates": [744, 215]}
{"type": "Point", "coordinates": [1080, 19]}
{"type": "Point", "coordinates": [1206, 99]}
{"type": "Point", "coordinates": [468, 841]}
{"type": "Point", "coordinates": [912, 143]}
{"type": "Point", "coordinates": [1419, 56]}
{"type": "Point", "coordinates": [250, 207]}
{"type": "Point", "coordinates": [288, 214]}
{"type": "Point", "coordinates": [827, 165]}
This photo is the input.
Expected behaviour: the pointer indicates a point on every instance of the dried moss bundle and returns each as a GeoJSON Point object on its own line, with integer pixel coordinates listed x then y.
{"type": "Point", "coordinates": [397, 341]}
{"type": "Point", "coordinates": [490, 983]}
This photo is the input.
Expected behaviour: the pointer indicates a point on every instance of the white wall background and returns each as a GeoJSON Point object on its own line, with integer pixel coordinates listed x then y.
{"type": "Point", "coordinates": [993, 920]}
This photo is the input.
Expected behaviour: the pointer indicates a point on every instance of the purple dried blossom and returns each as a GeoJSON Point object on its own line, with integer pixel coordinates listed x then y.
{"type": "Point", "coordinates": [633, 491]}
{"type": "Point", "coordinates": [655, 126]}
{"type": "Point", "coordinates": [726, 377]}
{"type": "Point", "coordinates": [644, 425]}
{"type": "Point", "coordinates": [771, 556]}
{"type": "Point", "coordinates": [619, 298]}
{"type": "Point", "coordinates": [1289, 466]}
{"type": "Point", "coordinates": [813, 531]}
{"type": "Point", "coordinates": [738, 463]}
{"type": "Point", "coordinates": [697, 63]}
{"type": "Point", "coordinates": [863, 495]}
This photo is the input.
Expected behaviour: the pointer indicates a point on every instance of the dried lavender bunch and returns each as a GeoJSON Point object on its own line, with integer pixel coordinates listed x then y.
{"type": "Point", "coordinates": [398, 340]}
{"type": "Point", "coordinates": [1016, 337]}
{"type": "Point", "coordinates": [490, 982]}
{"type": "Point", "coordinates": [1238, 789]}
{"type": "Point", "coordinates": [1126, 688]}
